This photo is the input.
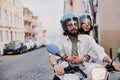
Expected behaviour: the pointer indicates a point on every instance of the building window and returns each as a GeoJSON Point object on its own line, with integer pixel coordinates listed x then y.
{"type": "Point", "coordinates": [15, 20]}
{"type": "Point", "coordinates": [5, 17]}
{"type": "Point", "coordinates": [71, 3]}
{"type": "Point", "coordinates": [0, 17]}
{"type": "Point", "coordinates": [11, 33]}
{"type": "Point", "coordinates": [15, 35]}
{"type": "Point", "coordinates": [6, 35]}
{"type": "Point", "coordinates": [13, 2]}
{"type": "Point", "coordinates": [11, 19]}
{"type": "Point", "coordinates": [0, 35]}
{"type": "Point", "coordinates": [16, 3]}
{"type": "Point", "coordinates": [9, 1]}
{"type": "Point", "coordinates": [14, 23]}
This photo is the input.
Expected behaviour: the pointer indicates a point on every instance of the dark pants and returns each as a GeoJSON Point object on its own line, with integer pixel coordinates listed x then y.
{"type": "Point", "coordinates": [56, 78]}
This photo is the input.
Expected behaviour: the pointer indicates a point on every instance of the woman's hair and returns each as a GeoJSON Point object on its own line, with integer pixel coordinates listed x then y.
{"type": "Point", "coordinates": [81, 30]}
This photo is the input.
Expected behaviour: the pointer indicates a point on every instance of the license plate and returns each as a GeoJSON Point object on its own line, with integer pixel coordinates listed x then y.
{"type": "Point", "coordinates": [9, 52]}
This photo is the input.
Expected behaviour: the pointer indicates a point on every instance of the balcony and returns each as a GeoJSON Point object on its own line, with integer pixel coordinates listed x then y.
{"type": "Point", "coordinates": [28, 29]}
{"type": "Point", "coordinates": [27, 18]}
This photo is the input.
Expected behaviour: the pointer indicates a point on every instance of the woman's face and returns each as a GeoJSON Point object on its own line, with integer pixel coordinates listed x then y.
{"type": "Point", "coordinates": [86, 26]}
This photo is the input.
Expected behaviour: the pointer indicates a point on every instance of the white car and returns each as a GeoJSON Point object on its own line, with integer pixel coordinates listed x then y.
{"type": "Point", "coordinates": [42, 44]}
{"type": "Point", "coordinates": [30, 44]}
{"type": "Point", "coordinates": [36, 44]}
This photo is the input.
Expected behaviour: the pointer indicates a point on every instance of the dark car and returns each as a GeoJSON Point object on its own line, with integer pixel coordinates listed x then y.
{"type": "Point", "coordinates": [15, 47]}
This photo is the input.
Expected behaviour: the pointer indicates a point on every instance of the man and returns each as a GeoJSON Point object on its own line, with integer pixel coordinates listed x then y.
{"type": "Point", "coordinates": [74, 48]}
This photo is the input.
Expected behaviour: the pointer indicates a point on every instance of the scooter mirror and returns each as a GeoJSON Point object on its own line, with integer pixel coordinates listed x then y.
{"type": "Point", "coordinates": [53, 49]}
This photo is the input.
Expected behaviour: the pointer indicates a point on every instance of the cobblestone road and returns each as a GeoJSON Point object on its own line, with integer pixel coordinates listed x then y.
{"type": "Point", "coordinates": [33, 65]}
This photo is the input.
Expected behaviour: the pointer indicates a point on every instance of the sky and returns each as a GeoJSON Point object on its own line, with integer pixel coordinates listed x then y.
{"type": "Point", "coordinates": [49, 12]}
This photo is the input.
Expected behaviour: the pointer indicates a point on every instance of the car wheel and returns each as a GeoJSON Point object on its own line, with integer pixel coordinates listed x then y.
{"type": "Point", "coordinates": [26, 49]}
{"type": "Point", "coordinates": [20, 51]}
{"type": "Point", "coordinates": [5, 53]}
{"type": "Point", "coordinates": [17, 51]}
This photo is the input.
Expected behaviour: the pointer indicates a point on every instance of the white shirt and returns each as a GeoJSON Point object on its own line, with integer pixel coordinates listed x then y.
{"type": "Point", "coordinates": [86, 45]}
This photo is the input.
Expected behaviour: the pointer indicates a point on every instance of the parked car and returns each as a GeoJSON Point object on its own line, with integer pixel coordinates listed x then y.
{"type": "Point", "coordinates": [36, 44]}
{"type": "Point", "coordinates": [30, 44]}
{"type": "Point", "coordinates": [43, 44]}
{"type": "Point", "coordinates": [15, 47]}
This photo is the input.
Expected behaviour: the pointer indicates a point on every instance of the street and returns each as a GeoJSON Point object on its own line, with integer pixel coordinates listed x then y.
{"type": "Point", "coordinates": [33, 65]}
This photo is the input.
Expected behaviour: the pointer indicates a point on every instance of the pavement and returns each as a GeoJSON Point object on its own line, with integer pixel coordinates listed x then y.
{"type": "Point", "coordinates": [33, 65]}
{"type": "Point", "coordinates": [114, 75]}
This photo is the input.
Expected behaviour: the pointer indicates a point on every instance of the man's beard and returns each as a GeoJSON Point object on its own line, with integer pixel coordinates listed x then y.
{"type": "Point", "coordinates": [74, 34]}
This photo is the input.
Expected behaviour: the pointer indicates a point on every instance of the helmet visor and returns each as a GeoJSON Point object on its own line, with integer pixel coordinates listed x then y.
{"type": "Point", "coordinates": [72, 24]}
{"type": "Point", "coordinates": [84, 20]}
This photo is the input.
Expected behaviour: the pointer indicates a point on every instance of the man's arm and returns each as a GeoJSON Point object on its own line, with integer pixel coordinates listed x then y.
{"type": "Point", "coordinates": [96, 51]}
{"type": "Point", "coordinates": [52, 60]}
{"type": "Point", "coordinates": [59, 70]}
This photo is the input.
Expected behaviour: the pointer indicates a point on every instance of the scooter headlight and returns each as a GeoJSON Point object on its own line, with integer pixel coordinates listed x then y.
{"type": "Point", "coordinates": [98, 73]}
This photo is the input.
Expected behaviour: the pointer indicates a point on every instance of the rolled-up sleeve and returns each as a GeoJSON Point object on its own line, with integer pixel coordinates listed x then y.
{"type": "Point", "coordinates": [59, 43]}
{"type": "Point", "coordinates": [96, 51]}
{"type": "Point", "coordinates": [101, 52]}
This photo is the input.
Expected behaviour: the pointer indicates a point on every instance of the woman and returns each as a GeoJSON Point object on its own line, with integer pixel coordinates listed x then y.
{"type": "Point", "coordinates": [86, 24]}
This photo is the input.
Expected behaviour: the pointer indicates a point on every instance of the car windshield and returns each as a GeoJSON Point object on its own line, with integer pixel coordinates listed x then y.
{"type": "Point", "coordinates": [12, 43]}
{"type": "Point", "coordinates": [27, 41]}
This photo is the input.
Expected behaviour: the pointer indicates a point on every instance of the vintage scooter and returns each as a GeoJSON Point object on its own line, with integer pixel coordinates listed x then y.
{"type": "Point", "coordinates": [94, 70]}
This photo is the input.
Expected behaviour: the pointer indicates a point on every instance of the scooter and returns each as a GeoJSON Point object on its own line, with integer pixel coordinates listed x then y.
{"type": "Point", "coordinates": [95, 71]}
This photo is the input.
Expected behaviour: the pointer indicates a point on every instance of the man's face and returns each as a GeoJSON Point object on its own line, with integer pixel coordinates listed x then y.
{"type": "Point", "coordinates": [86, 26]}
{"type": "Point", "coordinates": [72, 27]}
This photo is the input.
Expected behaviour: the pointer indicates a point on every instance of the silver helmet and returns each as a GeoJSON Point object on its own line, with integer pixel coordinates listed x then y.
{"type": "Point", "coordinates": [83, 18]}
{"type": "Point", "coordinates": [67, 17]}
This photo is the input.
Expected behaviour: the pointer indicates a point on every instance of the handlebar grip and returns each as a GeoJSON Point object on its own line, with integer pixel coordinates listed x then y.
{"type": "Point", "coordinates": [84, 75]}
{"type": "Point", "coordinates": [109, 68]}
{"type": "Point", "coordinates": [74, 69]}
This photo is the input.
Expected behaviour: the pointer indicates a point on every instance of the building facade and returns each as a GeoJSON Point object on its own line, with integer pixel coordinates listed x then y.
{"type": "Point", "coordinates": [32, 25]}
{"type": "Point", "coordinates": [38, 31]}
{"type": "Point", "coordinates": [106, 20]}
{"type": "Point", "coordinates": [78, 6]}
{"type": "Point", "coordinates": [11, 21]}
